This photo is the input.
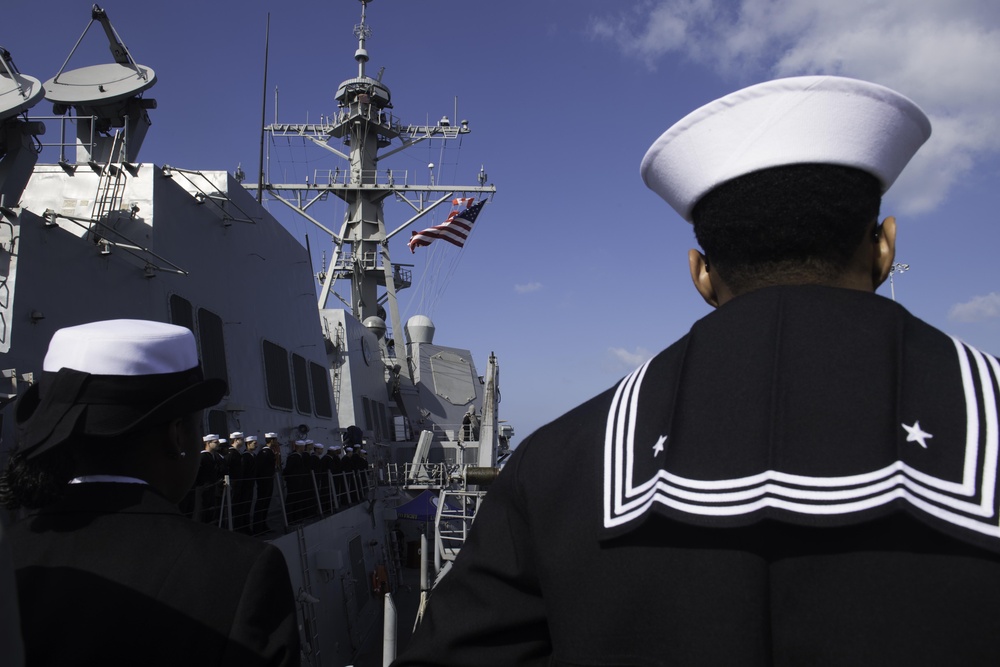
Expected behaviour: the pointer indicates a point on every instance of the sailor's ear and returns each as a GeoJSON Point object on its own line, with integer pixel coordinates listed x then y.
{"type": "Point", "coordinates": [702, 280]}
{"type": "Point", "coordinates": [174, 444]}
{"type": "Point", "coordinates": [883, 251]}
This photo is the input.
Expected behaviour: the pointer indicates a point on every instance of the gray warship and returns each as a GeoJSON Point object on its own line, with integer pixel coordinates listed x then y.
{"type": "Point", "coordinates": [90, 232]}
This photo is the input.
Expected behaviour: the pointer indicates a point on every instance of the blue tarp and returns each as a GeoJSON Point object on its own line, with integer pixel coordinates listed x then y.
{"type": "Point", "coordinates": [421, 508]}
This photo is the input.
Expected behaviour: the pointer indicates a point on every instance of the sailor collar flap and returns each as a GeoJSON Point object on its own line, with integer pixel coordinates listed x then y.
{"type": "Point", "coordinates": [809, 405]}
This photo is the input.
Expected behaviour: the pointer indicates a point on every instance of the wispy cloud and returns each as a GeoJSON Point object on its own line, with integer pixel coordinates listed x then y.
{"type": "Point", "coordinates": [623, 359]}
{"type": "Point", "coordinates": [527, 287]}
{"type": "Point", "coordinates": [977, 309]}
{"type": "Point", "coordinates": [942, 55]}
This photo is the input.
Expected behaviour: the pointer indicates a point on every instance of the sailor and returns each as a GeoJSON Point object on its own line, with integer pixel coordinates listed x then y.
{"type": "Point", "coordinates": [470, 426]}
{"type": "Point", "coordinates": [311, 459]}
{"type": "Point", "coordinates": [339, 478]}
{"type": "Point", "coordinates": [350, 467]}
{"type": "Point", "coordinates": [233, 454]}
{"type": "Point", "coordinates": [808, 477]}
{"type": "Point", "coordinates": [209, 479]}
{"type": "Point", "coordinates": [249, 483]}
{"type": "Point", "coordinates": [328, 465]}
{"type": "Point", "coordinates": [361, 465]}
{"type": "Point", "coordinates": [322, 479]}
{"type": "Point", "coordinates": [221, 490]}
{"type": "Point", "coordinates": [294, 475]}
{"type": "Point", "coordinates": [107, 445]}
{"type": "Point", "coordinates": [268, 461]}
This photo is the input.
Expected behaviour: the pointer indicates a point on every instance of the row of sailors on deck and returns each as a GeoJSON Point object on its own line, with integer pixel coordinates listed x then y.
{"type": "Point", "coordinates": [236, 480]}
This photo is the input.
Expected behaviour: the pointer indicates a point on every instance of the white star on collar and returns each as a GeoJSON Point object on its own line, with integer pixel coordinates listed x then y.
{"type": "Point", "coordinates": [916, 434]}
{"type": "Point", "coordinates": [658, 447]}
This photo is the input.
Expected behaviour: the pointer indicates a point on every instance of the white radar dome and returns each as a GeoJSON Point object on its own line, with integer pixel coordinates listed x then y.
{"type": "Point", "coordinates": [419, 329]}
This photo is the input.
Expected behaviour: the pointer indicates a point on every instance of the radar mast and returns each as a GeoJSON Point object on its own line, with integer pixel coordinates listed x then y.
{"type": "Point", "coordinates": [365, 125]}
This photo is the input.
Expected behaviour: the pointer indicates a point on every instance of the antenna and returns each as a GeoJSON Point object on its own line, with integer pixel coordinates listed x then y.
{"type": "Point", "coordinates": [263, 111]}
{"type": "Point", "coordinates": [18, 92]}
{"type": "Point", "coordinates": [896, 268]}
{"type": "Point", "coordinates": [105, 97]}
{"type": "Point", "coordinates": [362, 32]}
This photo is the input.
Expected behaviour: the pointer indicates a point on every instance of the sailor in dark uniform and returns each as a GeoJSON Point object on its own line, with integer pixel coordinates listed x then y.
{"type": "Point", "coordinates": [294, 476]}
{"type": "Point", "coordinates": [221, 490]}
{"type": "Point", "coordinates": [209, 479]}
{"type": "Point", "coordinates": [322, 479]}
{"type": "Point", "coordinates": [234, 469]}
{"type": "Point", "coordinates": [249, 483]}
{"type": "Point", "coordinates": [311, 479]}
{"type": "Point", "coordinates": [107, 445]}
{"type": "Point", "coordinates": [264, 469]}
{"type": "Point", "coordinates": [337, 471]}
{"type": "Point", "coordinates": [351, 468]}
{"type": "Point", "coordinates": [808, 477]}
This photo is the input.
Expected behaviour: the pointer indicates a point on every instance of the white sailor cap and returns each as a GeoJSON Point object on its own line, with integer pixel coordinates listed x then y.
{"type": "Point", "coordinates": [336, 448]}
{"type": "Point", "coordinates": [122, 347]}
{"type": "Point", "coordinates": [321, 447]}
{"type": "Point", "coordinates": [300, 443]}
{"type": "Point", "coordinates": [310, 442]}
{"type": "Point", "coordinates": [364, 451]}
{"type": "Point", "coordinates": [235, 435]}
{"type": "Point", "coordinates": [797, 120]}
{"type": "Point", "coordinates": [270, 435]}
{"type": "Point", "coordinates": [222, 441]}
{"type": "Point", "coordinates": [350, 449]}
{"type": "Point", "coordinates": [210, 437]}
{"type": "Point", "coordinates": [251, 438]}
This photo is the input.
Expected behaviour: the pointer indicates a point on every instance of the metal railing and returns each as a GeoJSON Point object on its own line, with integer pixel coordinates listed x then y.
{"type": "Point", "coordinates": [252, 506]}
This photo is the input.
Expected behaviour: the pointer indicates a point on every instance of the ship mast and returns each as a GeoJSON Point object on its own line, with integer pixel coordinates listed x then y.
{"type": "Point", "coordinates": [365, 124]}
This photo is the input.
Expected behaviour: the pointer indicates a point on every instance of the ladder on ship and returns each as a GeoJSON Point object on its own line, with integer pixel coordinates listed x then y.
{"type": "Point", "coordinates": [306, 602]}
{"type": "Point", "coordinates": [455, 514]}
{"type": "Point", "coordinates": [111, 183]}
{"type": "Point", "coordinates": [338, 345]}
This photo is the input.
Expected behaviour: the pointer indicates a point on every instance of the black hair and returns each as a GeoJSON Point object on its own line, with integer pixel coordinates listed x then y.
{"type": "Point", "coordinates": [791, 224]}
{"type": "Point", "coordinates": [36, 481]}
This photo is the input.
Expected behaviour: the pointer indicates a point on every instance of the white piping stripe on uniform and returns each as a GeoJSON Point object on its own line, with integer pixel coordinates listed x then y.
{"type": "Point", "coordinates": [767, 489]}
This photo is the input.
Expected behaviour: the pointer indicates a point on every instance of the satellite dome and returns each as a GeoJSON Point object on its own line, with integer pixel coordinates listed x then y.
{"type": "Point", "coordinates": [376, 325]}
{"type": "Point", "coordinates": [419, 329]}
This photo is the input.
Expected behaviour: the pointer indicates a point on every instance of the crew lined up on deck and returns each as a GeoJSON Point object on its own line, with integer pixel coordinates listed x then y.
{"type": "Point", "coordinates": [236, 480]}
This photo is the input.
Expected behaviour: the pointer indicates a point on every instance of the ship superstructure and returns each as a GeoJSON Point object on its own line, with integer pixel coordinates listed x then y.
{"type": "Point", "coordinates": [430, 387]}
{"type": "Point", "coordinates": [88, 231]}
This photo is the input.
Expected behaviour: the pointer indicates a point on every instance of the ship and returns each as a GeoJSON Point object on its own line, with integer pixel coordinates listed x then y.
{"type": "Point", "coordinates": [88, 232]}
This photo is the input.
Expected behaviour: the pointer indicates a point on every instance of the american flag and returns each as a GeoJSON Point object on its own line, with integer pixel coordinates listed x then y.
{"type": "Point", "coordinates": [453, 230]}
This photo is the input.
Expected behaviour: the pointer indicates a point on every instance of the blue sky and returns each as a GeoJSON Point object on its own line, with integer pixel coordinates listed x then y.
{"type": "Point", "coordinates": [575, 273]}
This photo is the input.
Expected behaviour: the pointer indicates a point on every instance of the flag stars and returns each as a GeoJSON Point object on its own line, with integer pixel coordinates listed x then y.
{"type": "Point", "coordinates": [659, 446]}
{"type": "Point", "coordinates": [916, 434]}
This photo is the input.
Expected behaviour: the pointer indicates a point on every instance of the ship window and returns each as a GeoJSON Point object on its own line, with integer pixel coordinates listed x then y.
{"type": "Point", "coordinates": [401, 429]}
{"type": "Point", "coordinates": [302, 397]}
{"type": "Point", "coordinates": [213, 345]}
{"type": "Point", "coordinates": [181, 312]}
{"type": "Point", "coordinates": [321, 390]}
{"type": "Point", "coordinates": [368, 413]}
{"type": "Point", "coordinates": [383, 424]}
{"type": "Point", "coordinates": [277, 377]}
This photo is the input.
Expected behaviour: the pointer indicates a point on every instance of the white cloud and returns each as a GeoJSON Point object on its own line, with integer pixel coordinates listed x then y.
{"type": "Point", "coordinates": [524, 288]}
{"type": "Point", "coordinates": [977, 309]}
{"type": "Point", "coordinates": [942, 55]}
{"type": "Point", "coordinates": [624, 359]}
